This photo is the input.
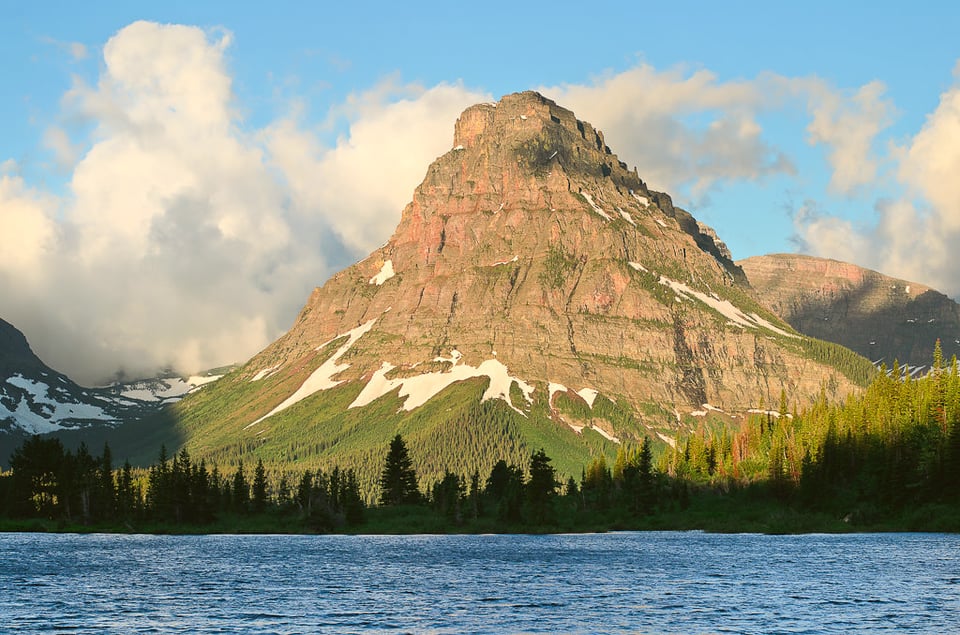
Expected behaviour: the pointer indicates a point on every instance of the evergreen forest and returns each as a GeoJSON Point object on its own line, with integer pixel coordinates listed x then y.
{"type": "Point", "coordinates": [887, 458]}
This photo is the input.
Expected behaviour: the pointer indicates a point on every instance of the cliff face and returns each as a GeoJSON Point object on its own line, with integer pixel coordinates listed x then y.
{"type": "Point", "coordinates": [882, 318]}
{"type": "Point", "coordinates": [532, 255]}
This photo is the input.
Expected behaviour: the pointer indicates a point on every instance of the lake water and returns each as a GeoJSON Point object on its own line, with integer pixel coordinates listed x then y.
{"type": "Point", "coordinates": [660, 582]}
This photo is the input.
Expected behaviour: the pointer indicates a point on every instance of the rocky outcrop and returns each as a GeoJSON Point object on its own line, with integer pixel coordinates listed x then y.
{"type": "Point", "coordinates": [882, 318]}
{"type": "Point", "coordinates": [531, 246]}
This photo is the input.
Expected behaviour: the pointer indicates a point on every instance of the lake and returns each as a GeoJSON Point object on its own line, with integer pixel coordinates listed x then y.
{"type": "Point", "coordinates": [656, 582]}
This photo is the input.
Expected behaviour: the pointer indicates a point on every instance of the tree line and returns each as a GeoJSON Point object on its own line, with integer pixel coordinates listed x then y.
{"type": "Point", "coordinates": [890, 450]}
{"type": "Point", "coordinates": [48, 481]}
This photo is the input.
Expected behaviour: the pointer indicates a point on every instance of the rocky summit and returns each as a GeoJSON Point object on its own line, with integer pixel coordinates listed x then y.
{"type": "Point", "coordinates": [533, 265]}
{"type": "Point", "coordinates": [885, 319]}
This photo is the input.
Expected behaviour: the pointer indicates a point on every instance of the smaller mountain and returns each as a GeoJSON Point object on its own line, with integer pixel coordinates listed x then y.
{"type": "Point", "coordinates": [35, 399]}
{"type": "Point", "coordinates": [882, 318]}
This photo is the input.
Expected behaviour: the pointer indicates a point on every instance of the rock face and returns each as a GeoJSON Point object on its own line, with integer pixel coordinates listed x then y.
{"type": "Point", "coordinates": [882, 318]}
{"type": "Point", "coordinates": [531, 255]}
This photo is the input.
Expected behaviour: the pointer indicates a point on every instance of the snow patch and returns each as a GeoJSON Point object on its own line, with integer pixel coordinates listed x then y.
{"type": "Point", "coordinates": [458, 148]}
{"type": "Point", "coordinates": [724, 307]}
{"type": "Point", "coordinates": [668, 440]}
{"type": "Point", "coordinates": [166, 389]}
{"type": "Point", "coordinates": [416, 391]}
{"type": "Point", "coordinates": [588, 395]}
{"type": "Point", "coordinates": [627, 217]}
{"type": "Point", "coordinates": [386, 272]}
{"type": "Point", "coordinates": [505, 262]}
{"type": "Point", "coordinates": [604, 434]}
{"type": "Point", "coordinates": [553, 388]}
{"type": "Point", "coordinates": [455, 356]}
{"type": "Point", "coordinates": [322, 378]}
{"type": "Point", "coordinates": [643, 200]}
{"type": "Point", "coordinates": [660, 222]}
{"type": "Point", "coordinates": [55, 412]}
{"type": "Point", "coordinates": [638, 266]}
{"type": "Point", "coordinates": [595, 207]}
{"type": "Point", "coordinates": [202, 380]}
{"type": "Point", "coordinates": [263, 373]}
{"type": "Point", "coordinates": [698, 413]}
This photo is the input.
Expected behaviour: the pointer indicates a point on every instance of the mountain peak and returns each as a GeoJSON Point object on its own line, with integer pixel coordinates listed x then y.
{"type": "Point", "coordinates": [541, 136]}
{"type": "Point", "coordinates": [531, 264]}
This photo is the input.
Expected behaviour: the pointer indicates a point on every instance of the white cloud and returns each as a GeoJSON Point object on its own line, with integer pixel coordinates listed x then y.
{"type": "Point", "coordinates": [848, 126]}
{"type": "Point", "coordinates": [360, 185]}
{"type": "Point", "coordinates": [915, 235]}
{"type": "Point", "coordinates": [64, 151]}
{"type": "Point", "coordinates": [28, 233]}
{"type": "Point", "coordinates": [657, 119]}
{"type": "Point", "coordinates": [690, 132]}
{"type": "Point", "coordinates": [185, 239]}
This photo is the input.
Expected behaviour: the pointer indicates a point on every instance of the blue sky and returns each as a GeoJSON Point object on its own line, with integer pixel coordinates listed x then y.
{"type": "Point", "coordinates": [831, 130]}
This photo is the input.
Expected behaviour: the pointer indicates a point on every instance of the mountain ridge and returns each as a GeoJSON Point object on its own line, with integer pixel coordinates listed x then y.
{"type": "Point", "coordinates": [36, 399]}
{"type": "Point", "coordinates": [883, 318]}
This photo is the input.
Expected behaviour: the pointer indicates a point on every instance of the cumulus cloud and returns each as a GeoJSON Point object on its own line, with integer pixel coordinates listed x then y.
{"type": "Point", "coordinates": [691, 132]}
{"type": "Point", "coordinates": [184, 239]}
{"type": "Point", "coordinates": [27, 232]}
{"type": "Point", "coordinates": [395, 132]}
{"type": "Point", "coordinates": [912, 236]}
{"type": "Point", "coordinates": [848, 126]}
{"type": "Point", "coordinates": [64, 151]}
{"type": "Point", "coordinates": [657, 118]}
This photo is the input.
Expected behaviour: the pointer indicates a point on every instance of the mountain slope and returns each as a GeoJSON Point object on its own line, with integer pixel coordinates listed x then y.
{"type": "Point", "coordinates": [535, 285]}
{"type": "Point", "coordinates": [35, 399]}
{"type": "Point", "coordinates": [880, 317]}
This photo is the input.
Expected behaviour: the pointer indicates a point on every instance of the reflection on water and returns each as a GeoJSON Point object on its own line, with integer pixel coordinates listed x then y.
{"type": "Point", "coordinates": [660, 582]}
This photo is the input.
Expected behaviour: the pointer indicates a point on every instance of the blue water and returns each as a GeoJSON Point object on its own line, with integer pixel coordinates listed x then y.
{"type": "Point", "coordinates": [662, 582]}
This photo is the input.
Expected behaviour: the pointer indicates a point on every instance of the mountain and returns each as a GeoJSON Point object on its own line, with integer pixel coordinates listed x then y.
{"type": "Point", "coordinates": [35, 399]}
{"type": "Point", "coordinates": [536, 293]}
{"type": "Point", "coordinates": [882, 318]}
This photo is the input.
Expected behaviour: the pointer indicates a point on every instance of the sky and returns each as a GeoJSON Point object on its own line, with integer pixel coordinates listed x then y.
{"type": "Point", "coordinates": [176, 177]}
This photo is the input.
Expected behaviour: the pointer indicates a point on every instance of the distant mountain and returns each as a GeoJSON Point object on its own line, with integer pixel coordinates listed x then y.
{"type": "Point", "coordinates": [35, 399]}
{"type": "Point", "coordinates": [882, 318]}
{"type": "Point", "coordinates": [536, 293]}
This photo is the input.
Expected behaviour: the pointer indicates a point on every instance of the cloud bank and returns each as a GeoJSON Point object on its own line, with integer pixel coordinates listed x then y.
{"type": "Point", "coordinates": [184, 239]}
{"type": "Point", "coordinates": [912, 236]}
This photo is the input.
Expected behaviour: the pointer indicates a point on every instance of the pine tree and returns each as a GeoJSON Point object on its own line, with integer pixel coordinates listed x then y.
{"type": "Point", "coordinates": [475, 504]}
{"type": "Point", "coordinates": [353, 508]}
{"type": "Point", "coordinates": [106, 493]}
{"type": "Point", "coordinates": [259, 488]}
{"type": "Point", "coordinates": [398, 481]}
{"type": "Point", "coordinates": [241, 491]}
{"type": "Point", "coordinates": [305, 493]}
{"type": "Point", "coordinates": [541, 489]}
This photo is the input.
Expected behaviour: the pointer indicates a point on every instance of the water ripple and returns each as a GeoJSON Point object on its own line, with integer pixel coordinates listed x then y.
{"type": "Point", "coordinates": [666, 582]}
